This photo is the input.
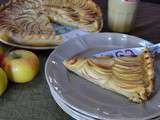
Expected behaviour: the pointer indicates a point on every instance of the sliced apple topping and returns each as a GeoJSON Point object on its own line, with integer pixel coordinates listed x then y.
{"type": "Point", "coordinates": [84, 14]}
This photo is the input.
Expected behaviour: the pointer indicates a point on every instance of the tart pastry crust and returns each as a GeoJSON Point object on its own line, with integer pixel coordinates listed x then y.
{"type": "Point", "coordinates": [132, 77]}
{"type": "Point", "coordinates": [29, 21]}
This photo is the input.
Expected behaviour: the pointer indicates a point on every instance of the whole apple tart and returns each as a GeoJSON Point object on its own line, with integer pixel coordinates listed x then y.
{"type": "Point", "coordinates": [29, 22]}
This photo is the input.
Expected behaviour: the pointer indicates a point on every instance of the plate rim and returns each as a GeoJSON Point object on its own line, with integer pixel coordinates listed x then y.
{"type": "Point", "coordinates": [62, 104]}
{"type": "Point", "coordinates": [6, 42]}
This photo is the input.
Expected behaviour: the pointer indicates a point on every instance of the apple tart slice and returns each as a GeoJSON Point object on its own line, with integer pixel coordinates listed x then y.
{"type": "Point", "coordinates": [129, 76]}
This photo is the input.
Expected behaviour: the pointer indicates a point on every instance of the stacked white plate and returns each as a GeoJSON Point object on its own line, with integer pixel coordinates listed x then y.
{"type": "Point", "coordinates": [86, 101]}
{"type": "Point", "coordinates": [68, 109]}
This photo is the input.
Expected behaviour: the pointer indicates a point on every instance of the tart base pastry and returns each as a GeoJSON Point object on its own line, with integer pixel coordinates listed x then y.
{"type": "Point", "coordinates": [132, 77]}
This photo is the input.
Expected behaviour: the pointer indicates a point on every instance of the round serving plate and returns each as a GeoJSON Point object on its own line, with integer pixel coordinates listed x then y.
{"type": "Point", "coordinates": [88, 98]}
{"type": "Point", "coordinates": [13, 44]}
{"type": "Point", "coordinates": [76, 115]}
{"type": "Point", "coordinates": [65, 33]}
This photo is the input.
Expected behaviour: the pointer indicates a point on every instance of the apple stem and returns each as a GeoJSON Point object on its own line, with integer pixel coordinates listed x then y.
{"type": "Point", "coordinates": [16, 56]}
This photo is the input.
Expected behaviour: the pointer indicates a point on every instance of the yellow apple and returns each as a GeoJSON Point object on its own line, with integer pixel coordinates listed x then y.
{"type": "Point", "coordinates": [21, 65]}
{"type": "Point", "coordinates": [3, 81]}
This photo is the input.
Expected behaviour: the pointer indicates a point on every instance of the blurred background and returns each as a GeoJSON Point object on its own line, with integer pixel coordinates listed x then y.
{"type": "Point", "coordinates": [154, 1]}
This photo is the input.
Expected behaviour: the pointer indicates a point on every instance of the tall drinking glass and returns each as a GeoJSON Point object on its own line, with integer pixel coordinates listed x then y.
{"type": "Point", "coordinates": [121, 14]}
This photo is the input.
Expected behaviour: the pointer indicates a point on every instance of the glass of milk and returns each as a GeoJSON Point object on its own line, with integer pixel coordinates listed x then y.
{"type": "Point", "coordinates": [121, 14]}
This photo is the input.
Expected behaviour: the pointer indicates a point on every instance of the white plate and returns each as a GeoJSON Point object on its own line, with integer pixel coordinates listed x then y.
{"type": "Point", "coordinates": [88, 98]}
{"type": "Point", "coordinates": [76, 115]}
{"type": "Point", "coordinates": [65, 32]}
{"type": "Point", "coordinates": [13, 44]}
{"type": "Point", "coordinates": [67, 109]}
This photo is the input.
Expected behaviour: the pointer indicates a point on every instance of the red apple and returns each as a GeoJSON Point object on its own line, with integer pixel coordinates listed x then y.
{"type": "Point", "coordinates": [2, 54]}
{"type": "Point", "coordinates": [21, 65]}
